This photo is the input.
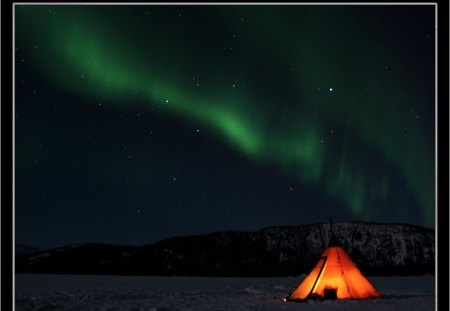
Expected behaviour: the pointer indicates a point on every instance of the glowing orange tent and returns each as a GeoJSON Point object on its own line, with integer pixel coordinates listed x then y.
{"type": "Point", "coordinates": [334, 276]}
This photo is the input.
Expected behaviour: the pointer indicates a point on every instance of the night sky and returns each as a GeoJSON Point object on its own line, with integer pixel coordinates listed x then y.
{"type": "Point", "coordinates": [138, 123]}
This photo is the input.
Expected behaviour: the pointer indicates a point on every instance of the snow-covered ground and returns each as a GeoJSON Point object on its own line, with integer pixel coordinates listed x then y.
{"type": "Point", "coordinates": [84, 292]}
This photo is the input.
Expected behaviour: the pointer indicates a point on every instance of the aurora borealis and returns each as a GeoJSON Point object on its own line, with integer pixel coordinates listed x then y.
{"type": "Point", "coordinates": [136, 123]}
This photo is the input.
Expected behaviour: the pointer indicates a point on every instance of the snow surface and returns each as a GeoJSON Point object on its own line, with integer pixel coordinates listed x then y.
{"type": "Point", "coordinates": [108, 293]}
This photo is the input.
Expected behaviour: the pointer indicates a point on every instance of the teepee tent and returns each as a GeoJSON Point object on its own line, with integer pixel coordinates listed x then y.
{"type": "Point", "coordinates": [334, 276]}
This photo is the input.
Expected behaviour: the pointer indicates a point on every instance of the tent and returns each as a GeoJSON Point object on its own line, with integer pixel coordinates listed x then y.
{"type": "Point", "coordinates": [335, 276]}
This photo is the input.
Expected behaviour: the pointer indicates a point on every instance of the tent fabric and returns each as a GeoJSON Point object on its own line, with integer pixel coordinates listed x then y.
{"type": "Point", "coordinates": [335, 271]}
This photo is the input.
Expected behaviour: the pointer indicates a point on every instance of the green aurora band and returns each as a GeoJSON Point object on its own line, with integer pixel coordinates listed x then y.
{"type": "Point", "coordinates": [96, 57]}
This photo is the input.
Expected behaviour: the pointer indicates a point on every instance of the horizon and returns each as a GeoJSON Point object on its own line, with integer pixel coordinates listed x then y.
{"type": "Point", "coordinates": [215, 232]}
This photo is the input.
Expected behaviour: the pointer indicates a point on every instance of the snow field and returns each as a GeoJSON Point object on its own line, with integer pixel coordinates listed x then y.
{"type": "Point", "coordinates": [139, 293]}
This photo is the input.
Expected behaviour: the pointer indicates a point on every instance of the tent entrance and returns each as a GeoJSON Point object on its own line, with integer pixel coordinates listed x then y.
{"type": "Point", "coordinates": [330, 293]}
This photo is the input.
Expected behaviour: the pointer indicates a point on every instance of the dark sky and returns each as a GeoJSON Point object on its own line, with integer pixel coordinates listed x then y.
{"type": "Point", "coordinates": [138, 123]}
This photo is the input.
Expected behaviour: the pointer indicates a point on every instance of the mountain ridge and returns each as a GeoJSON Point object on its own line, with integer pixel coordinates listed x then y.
{"type": "Point", "coordinates": [376, 248]}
